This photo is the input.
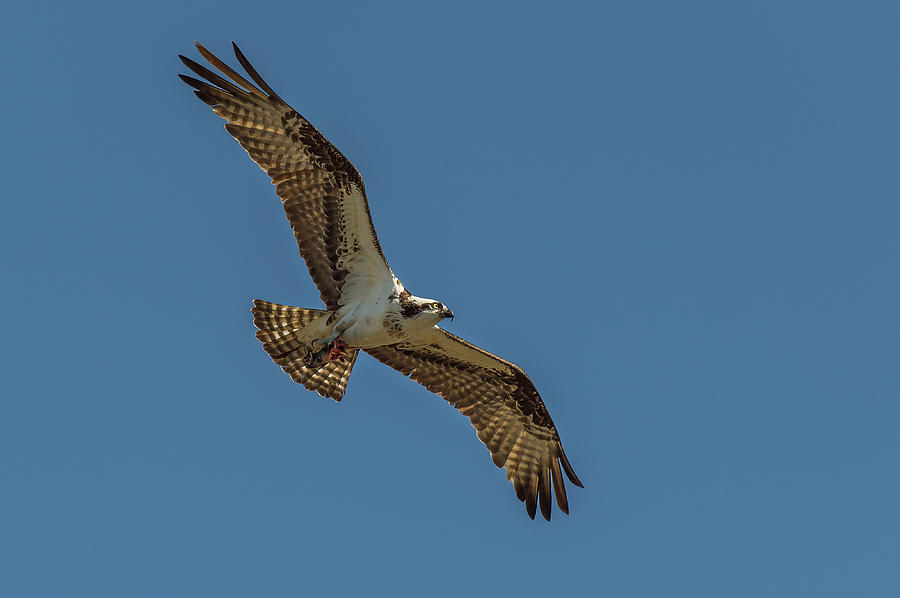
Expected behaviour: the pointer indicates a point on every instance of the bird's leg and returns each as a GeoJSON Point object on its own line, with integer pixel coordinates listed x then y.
{"type": "Point", "coordinates": [325, 341]}
{"type": "Point", "coordinates": [337, 331]}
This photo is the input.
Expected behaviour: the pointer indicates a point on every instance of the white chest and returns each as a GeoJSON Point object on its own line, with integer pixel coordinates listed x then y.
{"type": "Point", "coordinates": [369, 324]}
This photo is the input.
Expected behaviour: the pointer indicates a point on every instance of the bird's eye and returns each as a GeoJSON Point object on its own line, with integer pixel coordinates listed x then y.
{"type": "Point", "coordinates": [436, 305]}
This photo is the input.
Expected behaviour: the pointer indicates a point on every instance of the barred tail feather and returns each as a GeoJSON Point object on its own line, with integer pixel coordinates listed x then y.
{"type": "Point", "coordinates": [279, 331]}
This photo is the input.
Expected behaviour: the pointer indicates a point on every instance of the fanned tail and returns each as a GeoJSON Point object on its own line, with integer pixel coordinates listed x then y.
{"type": "Point", "coordinates": [279, 331]}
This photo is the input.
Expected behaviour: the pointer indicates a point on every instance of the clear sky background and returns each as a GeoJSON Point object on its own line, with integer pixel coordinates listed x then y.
{"type": "Point", "coordinates": [679, 218]}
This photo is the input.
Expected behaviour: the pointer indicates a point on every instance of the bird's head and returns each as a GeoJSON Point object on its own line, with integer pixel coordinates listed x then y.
{"type": "Point", "coordinates": [425, 311]}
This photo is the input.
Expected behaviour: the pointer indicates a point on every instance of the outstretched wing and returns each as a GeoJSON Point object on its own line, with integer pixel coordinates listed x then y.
{"type": "Point", "coordinates": [323, 194]}
{"type": "Point", "coordinates": [502, 404]}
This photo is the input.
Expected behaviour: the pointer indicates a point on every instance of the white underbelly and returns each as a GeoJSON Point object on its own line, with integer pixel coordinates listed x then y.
{"type": "Point", "coordinates": [365, 334]}
{"type": "Point", "coordinates": [364, 327]}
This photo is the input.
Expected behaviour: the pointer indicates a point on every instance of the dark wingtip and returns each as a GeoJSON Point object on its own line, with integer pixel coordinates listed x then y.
{"type": "Point", "coordinates": [196, 67]}
{"type": "Point", "coordinates": [546, 507]}
{"type": "Point", "coordinates": [195, 83]}
{"type": "Point", "coordinates": [567, 467]}
{"type": "Point", "coordinates": [253, 74]}
{"type": "Point", "coordinates": [559, 486]}
{"type": "Point", "coordinates": [545, 488]}
{"type": "Point", "coordinates": [238, 54]}
{"type": "Point", "coordinates": [531, 506]}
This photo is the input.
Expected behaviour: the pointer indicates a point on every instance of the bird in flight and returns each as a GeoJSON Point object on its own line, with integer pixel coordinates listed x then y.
{"type": "Point", "coordinates": [367, 308]}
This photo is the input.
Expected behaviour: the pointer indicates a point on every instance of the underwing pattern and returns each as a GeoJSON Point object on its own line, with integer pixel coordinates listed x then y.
{"type": "Point", "coordinates": [367, 308]}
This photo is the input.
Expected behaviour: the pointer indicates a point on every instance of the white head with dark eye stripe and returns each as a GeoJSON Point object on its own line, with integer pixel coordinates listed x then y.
{"type": "Point", "coordinates": [424, 311]}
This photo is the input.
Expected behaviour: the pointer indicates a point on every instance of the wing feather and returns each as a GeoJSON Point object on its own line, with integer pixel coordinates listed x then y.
{"type": "Point", "coordinates": [322, 193]}
{"type": "Point", "coordinates": [546, 489]}
{"type": "Point", "coordinates": [559, 487]}
{"type": "Point", "coordinates": [502, 405]}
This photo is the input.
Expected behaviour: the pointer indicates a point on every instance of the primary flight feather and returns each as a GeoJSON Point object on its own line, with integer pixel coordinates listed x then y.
{"type": "Point", "coordinates": [366, 307]}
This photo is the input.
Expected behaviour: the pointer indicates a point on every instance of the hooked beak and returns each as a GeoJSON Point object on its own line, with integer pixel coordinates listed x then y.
{"type": "Point", "coordinates": [447, 313]}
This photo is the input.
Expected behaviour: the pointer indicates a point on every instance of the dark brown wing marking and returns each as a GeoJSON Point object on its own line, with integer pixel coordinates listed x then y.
{"type": "Point", "coordinates": [501, 403]}
{"type": "Point", "coordinates": [323, 194]}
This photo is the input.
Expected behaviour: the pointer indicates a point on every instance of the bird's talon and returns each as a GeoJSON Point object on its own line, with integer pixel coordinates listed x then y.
{"type": "Point", "coordinates": [337, 350]}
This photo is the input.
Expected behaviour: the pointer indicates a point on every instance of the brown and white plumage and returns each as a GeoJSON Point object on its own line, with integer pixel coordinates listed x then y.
{"type": "Point", "coordinates": [323, 194]}
{"type": "Point", "coordinates": [501, 403]}
{"type": "Point", "coordinates": [366, 307]}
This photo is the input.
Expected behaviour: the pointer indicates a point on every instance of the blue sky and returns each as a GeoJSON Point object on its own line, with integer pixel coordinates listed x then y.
{"type": "Point", "coordinates": [679, 218]}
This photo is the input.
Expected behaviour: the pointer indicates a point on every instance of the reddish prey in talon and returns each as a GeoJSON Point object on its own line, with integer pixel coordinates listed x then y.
{"type": "Point", "coordinates": [338, 348]}
{"type": "Point", "coordinates": [333, 352]}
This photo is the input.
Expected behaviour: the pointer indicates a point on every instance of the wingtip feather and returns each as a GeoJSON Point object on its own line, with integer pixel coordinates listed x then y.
{"type": "Point", "coordinates": [531, 505]}
{"type": "Point", "coordinates": [229, 72]}
{"type": "Point", "coordinates": [567, 467]}
{"type": "Point", "coordinates": [253, 74]}
{"type": "Point", "coordinates": [559, 487]}
{"type": "Point", "coordinates": [206, 98]}
{"type": "Point", "coordinates": [544, 493]}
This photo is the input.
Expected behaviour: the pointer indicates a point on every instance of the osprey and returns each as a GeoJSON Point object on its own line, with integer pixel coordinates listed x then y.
{"type": "Point", "coordinates": [366, 307]}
